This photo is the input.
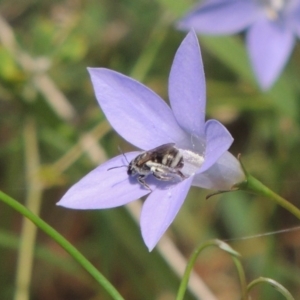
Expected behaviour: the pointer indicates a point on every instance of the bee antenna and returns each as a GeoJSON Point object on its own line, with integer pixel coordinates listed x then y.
{"type": "Point", "coordinates": [115, 167]}
{"type": "Point", "coordinates": [120, 150]}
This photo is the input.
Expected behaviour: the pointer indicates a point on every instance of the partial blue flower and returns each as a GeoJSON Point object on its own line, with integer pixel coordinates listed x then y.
{"type": "Point", "coordinates": [143, 119]}
{"type": "Point", "coordinates": [272, 27]}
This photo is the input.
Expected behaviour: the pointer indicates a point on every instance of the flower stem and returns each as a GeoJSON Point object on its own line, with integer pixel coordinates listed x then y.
{"type": "Point", "coordinates": [254, 186]}
{"type": "Point", "coordinates": [223, 246]}
{"type": "Point", "coordinates": [277, 286]}
{"type": "Point", "coordinates": [64, 244]}
{"type": "Point", "coordinates": [242, 277]}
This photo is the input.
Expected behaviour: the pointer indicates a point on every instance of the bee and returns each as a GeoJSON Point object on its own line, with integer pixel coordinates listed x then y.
{"type": "Point", "coordinates": [165, 163]}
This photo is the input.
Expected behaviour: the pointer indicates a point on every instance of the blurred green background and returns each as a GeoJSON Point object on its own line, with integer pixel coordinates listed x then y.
{"type": "Point", "coordinates": [52, 133]}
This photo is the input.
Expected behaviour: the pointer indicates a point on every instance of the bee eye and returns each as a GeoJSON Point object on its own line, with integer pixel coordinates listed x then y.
{"type": "Point", "coordinates": [130, 170]}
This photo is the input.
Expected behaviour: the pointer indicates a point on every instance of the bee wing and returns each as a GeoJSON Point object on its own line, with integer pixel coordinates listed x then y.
{"type": "Point", "coordinates": [153, 154]}
{"type": "Point", "coordinates": [161, 150]}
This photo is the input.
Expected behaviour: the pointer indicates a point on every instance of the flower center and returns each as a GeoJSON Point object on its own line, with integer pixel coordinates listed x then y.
{"type": "Point", "coordinates": [274, 8]}
{"type": "Point", "coordinates": [191, 162]}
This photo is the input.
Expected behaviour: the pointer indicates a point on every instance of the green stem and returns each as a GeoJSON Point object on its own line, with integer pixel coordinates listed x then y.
{"type": "Point", "coordinates": [280, 288]}
{"type": "Point", "coordinates": [222, 245]}
{"type": "Point", "coordinates": [241, 275]}
{"type": "Point", "coordinates": [254, 186]}
{"type": "Point", "coordinates": [64, 244]}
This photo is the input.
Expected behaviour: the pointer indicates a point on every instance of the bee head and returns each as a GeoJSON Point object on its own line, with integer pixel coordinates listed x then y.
{"type": "Point", "coordinates": [131, 171]}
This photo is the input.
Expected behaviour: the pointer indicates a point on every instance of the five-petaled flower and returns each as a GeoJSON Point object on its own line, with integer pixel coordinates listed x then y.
{"type": "Point", "coordinates": [272, 27]}
{"type": "Point", "coordinates": [143, 119]}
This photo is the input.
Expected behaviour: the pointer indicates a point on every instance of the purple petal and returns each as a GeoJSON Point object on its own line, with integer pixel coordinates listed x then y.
{"type": "Point", "coordinates": [103, 188]}
{"type": "Point", "coordinates": [134, 111]}
{"type": "Point", "coordinates": [270, 45]}
{"type": "Point", "coordinates": [218, 141]}
{"type": "Point", "coordinates": [160, 209]}
{"type": "Point", "coordinates": [221, 17]}
{"type": "Point", "coordinates": [226, 172]}
{"type": "Point", "coordinates": [293, 18]}
{"type": "Point", "coordinates": [187, 90]}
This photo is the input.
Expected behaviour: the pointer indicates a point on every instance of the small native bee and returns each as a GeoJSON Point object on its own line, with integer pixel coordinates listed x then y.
{"type": "Point", "coordinates": [166, 163]}
{"type": "Point", "coordinates": [163, 162]}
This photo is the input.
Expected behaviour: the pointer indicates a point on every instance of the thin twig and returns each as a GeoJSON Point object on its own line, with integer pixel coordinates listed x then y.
{"type": "Point", "coordinates": [33, 203]}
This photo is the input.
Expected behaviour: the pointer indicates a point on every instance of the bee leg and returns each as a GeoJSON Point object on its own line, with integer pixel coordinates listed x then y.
{"type": "Point", "coordinates": [141, 180]}
{"type": "Point", "coordinates": [181, 175]}
{"type": "Point", "coordinates": [160, 173]}
{"type": "Point", "coordinates": [168, 177]}
{"type": "Point", "coordinates": [160, 176]}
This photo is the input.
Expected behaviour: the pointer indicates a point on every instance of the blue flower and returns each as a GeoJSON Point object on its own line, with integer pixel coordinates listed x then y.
{"type": "Point", "coordinates": [272, 27]}
{"type": "Point", "coordinates": [143, 119]}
